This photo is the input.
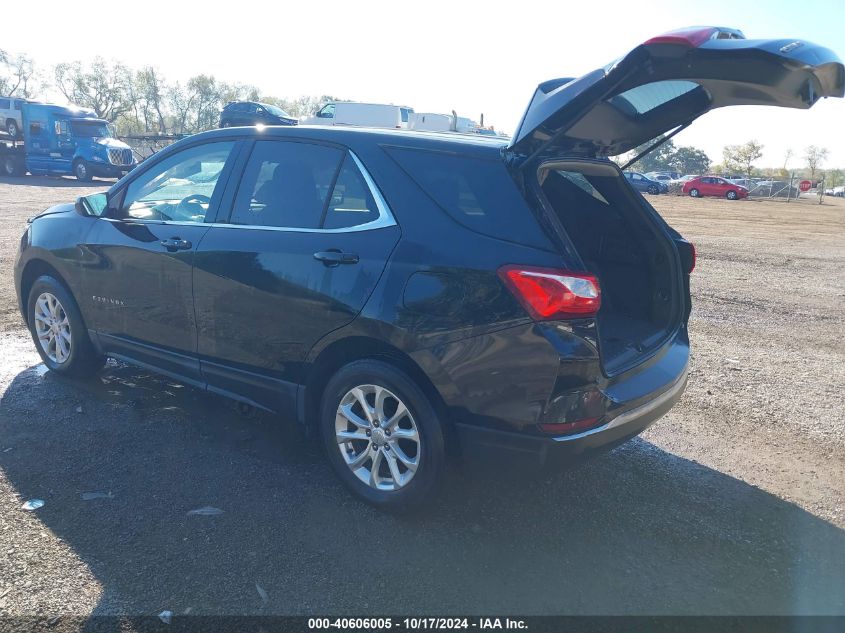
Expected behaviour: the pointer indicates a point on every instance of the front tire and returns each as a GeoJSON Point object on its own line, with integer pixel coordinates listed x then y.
{"type": "Point", "coordinates": [382, 435]}
{"type": "Point", "coordinates": [58, 330]}
{"type": "Point", "coordinates": [653, 190]}
{"type": "Point", "coordinates": [694, 193]}
{"type": "Point", "coordinates": [731, 195]}
{"type": "Point", "coordinates": [12, 129]}
{"type": "Point", "coordinates": [81, 170]}
{"type": "Point", "coordinates": [13, 166]}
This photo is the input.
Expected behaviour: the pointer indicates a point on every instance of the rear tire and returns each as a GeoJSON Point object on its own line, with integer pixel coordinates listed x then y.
{"type": "Point", "coordinates": [392, 460]}
{"type": "Point", "coordinates": [81, 170]}
{"type": "Point", "coordinates": [58, 331]}
{"type": "Point", "coordinates": [731, 195]}
{"type": "Point", "coordinates": [694, 193]}
{"type": "Point", "coordinates": [653, 190]}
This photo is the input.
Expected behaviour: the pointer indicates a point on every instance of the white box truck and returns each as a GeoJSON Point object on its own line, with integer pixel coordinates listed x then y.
{"type": "Point", "coordinates": [362, 114]}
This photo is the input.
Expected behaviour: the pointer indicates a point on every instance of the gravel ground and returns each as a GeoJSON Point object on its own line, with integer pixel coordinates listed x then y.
{"type": "Point", "coordinates": [733, 504]}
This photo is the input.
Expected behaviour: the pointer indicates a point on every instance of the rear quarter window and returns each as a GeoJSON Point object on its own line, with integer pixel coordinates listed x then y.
{"type": "Point", "coordinates": [478, 193]}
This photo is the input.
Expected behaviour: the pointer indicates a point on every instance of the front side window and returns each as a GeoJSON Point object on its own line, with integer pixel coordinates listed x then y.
{"type": "Point", "coordinates": [327, 112]}
{"type": "Point", "coordinates": [180, 187]}
{"type": "Point", "coordinates": [94, 129]}
{"type": "Point", "coordinates": [286, 184]}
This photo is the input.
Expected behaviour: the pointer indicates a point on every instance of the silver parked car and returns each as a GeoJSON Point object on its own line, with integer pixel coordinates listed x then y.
{"type": "Point", "coordinates": [10, 115]}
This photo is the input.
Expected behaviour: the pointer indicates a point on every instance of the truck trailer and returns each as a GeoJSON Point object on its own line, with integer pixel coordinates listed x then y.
{"type": "Point", "coordinates": [64, 140]}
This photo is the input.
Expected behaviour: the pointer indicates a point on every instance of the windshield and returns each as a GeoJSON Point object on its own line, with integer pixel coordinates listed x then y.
{"type": "Point", "coordinates": [276, 110]}
{"type": "Point", "coordinates": [90, 130]}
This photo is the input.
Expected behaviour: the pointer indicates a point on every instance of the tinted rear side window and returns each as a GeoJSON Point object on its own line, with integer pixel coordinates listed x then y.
{"type": "Point", "coordinates": [478, 193]}
{"type": "Point", "coordinates": [285, 184]}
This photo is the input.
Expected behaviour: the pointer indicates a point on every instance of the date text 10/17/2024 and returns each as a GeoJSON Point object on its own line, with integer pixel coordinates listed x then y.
{"type": "Point", "coordinates": [417, 624]}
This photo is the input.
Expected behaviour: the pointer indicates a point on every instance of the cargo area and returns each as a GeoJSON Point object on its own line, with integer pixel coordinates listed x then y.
{"type": "Point", "coordinates": [623, 244]}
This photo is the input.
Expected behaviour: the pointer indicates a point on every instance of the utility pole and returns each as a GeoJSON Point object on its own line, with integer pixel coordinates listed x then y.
{"type": "Point", "coordinates": [789, 189]}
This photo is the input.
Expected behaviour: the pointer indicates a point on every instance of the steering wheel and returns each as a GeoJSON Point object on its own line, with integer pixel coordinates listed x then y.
{"type": "Point", "coordinates": [192, 205]}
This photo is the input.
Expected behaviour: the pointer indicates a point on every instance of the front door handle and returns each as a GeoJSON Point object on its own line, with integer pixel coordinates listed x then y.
{"type": "Point", "coordinates": [334, 257]}
{"type": "Point", "coordinates": [174, 244]}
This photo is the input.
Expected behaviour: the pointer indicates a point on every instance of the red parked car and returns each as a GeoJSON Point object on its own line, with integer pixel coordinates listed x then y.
{"type": "Point", "coordinates": [714, 186]}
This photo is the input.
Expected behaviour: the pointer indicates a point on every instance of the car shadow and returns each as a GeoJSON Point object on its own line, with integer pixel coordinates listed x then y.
{"type": "Point", "coordinates": [637, 531]}
{"type": "Point", "coordinates": [57, 181]}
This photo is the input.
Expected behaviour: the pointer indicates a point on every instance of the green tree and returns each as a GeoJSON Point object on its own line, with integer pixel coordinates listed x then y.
{"type": "Point", "coordinates": [833, 178]}
{"type": "Point", "coordinates": [657, 160]}
{"type": "Point", "coordinates": [815, 156]}
{"type": "Point", "coordinates": [741, 158]}
{"type": "Point", "coordinates": [689, 160]}
{"type": "Point", "coordinates": [668, 157]}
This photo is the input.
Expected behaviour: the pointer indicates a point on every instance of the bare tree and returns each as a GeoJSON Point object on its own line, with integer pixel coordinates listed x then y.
{"type": "Point", "coordinates": [151, 89]}
{"type": "Point", "coordinates": [104, 87]}
{"type": "Point", "coordinates": [815, 156]}
{"type": "Point", "coordinates": [180, 105]}
{"type": "Point", "coordinates": [18, 75]}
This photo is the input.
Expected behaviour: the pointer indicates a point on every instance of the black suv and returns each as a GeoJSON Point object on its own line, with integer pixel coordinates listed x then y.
{"type": "Point", "coordinates": [253, 113]}
{"type": "Point", "coordinates": [412, 296]}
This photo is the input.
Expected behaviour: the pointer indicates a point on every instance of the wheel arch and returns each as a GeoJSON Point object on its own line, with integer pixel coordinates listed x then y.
{"type": "Point", "coordinates": [353, 348]}
{"type": "Point", "coordinates": [34, 269]}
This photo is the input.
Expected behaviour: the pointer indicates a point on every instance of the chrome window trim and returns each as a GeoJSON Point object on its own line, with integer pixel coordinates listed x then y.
{"type": "Point", "coordinates": [385, 215]}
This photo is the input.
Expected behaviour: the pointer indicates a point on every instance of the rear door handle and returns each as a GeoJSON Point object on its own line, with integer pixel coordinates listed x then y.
{"type": "Point", "coordinates": [174, 244]}
{"type": "Point", "coordinates": [334, 257]}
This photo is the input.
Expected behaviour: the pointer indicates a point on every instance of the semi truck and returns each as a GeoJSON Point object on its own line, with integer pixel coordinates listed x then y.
{"type": "Point", "coordinates": [64, 140]}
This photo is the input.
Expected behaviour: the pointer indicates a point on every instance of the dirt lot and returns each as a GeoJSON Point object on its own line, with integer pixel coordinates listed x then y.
{"type": "Point", "coordinates": [733, 503]}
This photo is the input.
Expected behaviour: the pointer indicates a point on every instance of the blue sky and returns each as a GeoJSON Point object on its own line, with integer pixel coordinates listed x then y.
{"type": "Point", "coordinates": [437, 56]}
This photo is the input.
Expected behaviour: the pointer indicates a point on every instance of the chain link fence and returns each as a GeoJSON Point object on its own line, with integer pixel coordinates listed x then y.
{"type": "Point", "coordinates": [775, 188]}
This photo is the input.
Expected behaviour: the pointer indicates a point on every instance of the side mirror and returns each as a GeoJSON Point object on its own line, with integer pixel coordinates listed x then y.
{"type": "Point", "coordinates": [93, 205]}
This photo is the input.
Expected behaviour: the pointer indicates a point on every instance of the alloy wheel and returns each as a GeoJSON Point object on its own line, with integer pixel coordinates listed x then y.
{"type": "Point", "coordinates": [52, 328]}
{"type": "Point", "coordinates": [377, 437]}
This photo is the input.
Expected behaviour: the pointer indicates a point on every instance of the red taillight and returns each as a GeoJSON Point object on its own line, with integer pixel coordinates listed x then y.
{"type": "Point", "coordinates": [548, 293]}
{"type": "Point", "coordinates": [686, 37]}
{"type": "Point", "coordinates": [696, 36]}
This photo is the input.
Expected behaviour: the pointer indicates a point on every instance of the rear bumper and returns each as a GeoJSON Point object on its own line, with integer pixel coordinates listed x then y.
{"type": "Point", "coordinates": [539, 451]}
